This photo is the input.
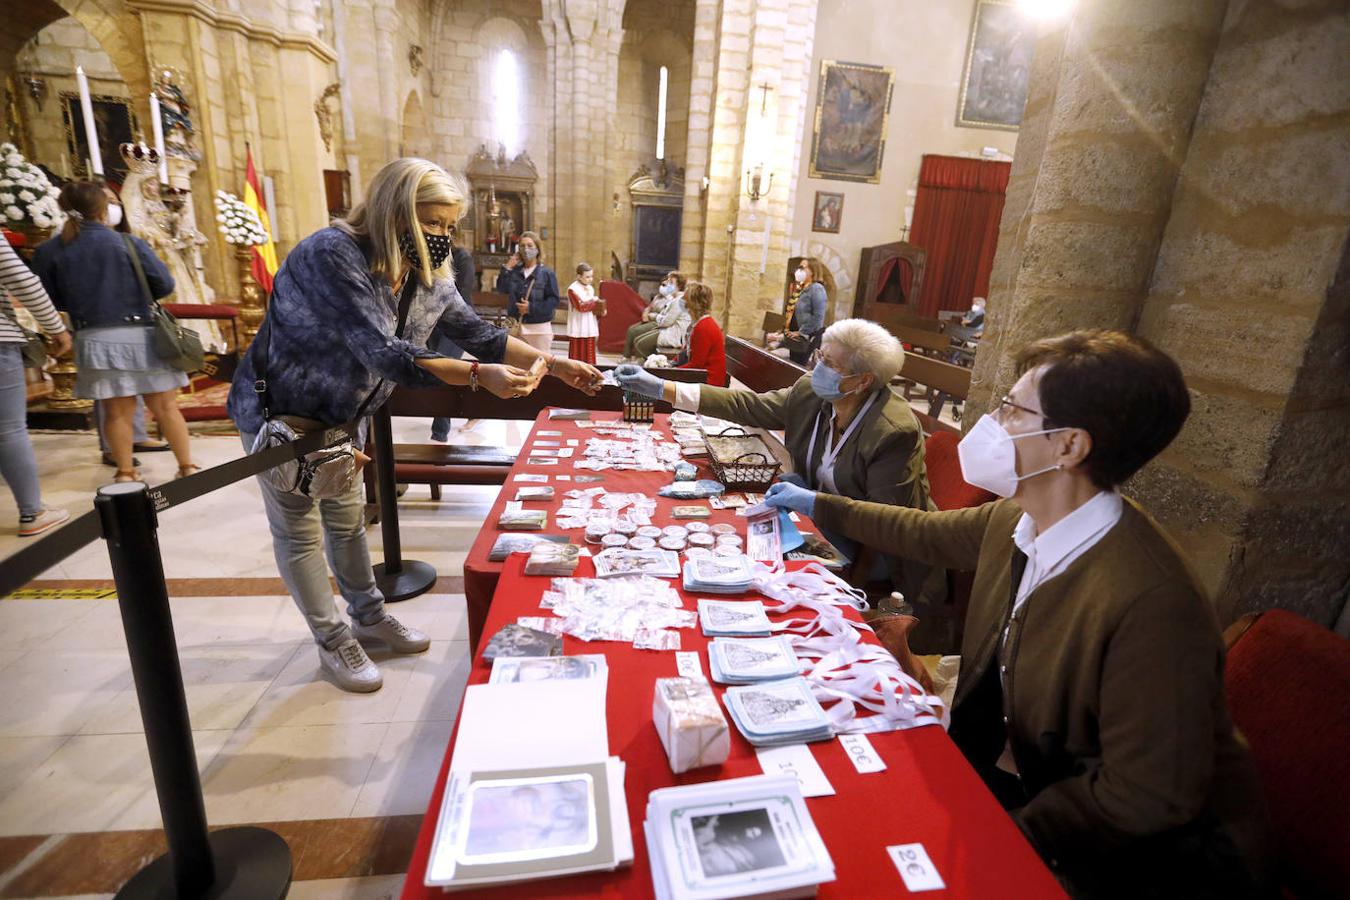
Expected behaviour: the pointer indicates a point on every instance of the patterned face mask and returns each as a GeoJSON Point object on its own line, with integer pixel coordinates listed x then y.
{"type": "Point", "coordinates": [438, 247]}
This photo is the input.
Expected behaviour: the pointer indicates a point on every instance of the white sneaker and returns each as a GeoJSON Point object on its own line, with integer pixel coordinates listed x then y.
{"type": "Point", "coordinates": [393, 634]}
{"type": "Point", "coordinates": [351, 668]}
{"type": "Point", "coordinates": [48, 518]}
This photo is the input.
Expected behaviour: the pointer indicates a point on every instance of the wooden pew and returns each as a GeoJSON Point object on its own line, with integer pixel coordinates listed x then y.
{"type": "Point", "coordinates": [894, 315]}
{"type": "Point", "coordinates": [437, 464]}
{"type": "Point", "coordinates": [757, 368]}
{"type": "Point", "coordinates": [944, 381]}
{"type": "Point", "coordinates": [929, 343]}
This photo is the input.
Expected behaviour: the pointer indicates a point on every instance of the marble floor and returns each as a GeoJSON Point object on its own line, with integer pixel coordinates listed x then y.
{"type": "Point", "coordinates": [275, 742]}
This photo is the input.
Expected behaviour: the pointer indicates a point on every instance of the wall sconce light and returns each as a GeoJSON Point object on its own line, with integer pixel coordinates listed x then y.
{"type": "Point", "coordinates": [755, 188]}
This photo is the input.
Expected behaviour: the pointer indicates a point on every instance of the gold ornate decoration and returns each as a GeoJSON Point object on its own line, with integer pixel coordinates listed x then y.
{"type": "Point", "coordinates": [63, 372]}
{"type": "Point", "coordinates": [251, 308]}
{"type": "Point", "coordinates": [325, 115]}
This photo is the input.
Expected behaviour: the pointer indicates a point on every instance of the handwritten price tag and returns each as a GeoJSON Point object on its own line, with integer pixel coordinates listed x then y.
{"type": "Point", "coordinates": [687, 664]}
{"type": "Point", "coordinates": [861, 754]}
{"type": "Point", "coordinates": [796, 760]}
{"type": "Point", "coordinates": [916, 868]}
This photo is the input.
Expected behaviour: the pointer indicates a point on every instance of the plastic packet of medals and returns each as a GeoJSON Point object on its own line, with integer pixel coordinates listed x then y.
{"type": "Point", "coordinates": [628, 449]}
{"type": "Point", "coordinates": [633, 609]}
{"type": "Point", "coordinates": [579, 509]}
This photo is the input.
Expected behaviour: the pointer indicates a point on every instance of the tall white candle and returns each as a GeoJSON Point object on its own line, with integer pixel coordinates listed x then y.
{"type": "Point", "coordinates": [158, 124]}
{"type": "Point", "coordinates": [90, 132]}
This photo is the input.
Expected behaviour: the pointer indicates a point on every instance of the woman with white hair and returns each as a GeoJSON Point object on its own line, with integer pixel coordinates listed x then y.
{"type": "Point", "coordinates": [349, 317]}
{"type": "Point", "coordinates": [848, 433]}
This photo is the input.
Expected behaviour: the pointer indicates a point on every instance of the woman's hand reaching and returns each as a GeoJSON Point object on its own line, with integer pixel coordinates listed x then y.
{"type": "Point", "coordinates": [507, 382]}
{"type": "Point", "coordinates": [585, 378]}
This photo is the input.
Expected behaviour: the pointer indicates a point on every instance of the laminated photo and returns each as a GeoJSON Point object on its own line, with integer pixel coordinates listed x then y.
{"type": "Point", "coordinates": [516, 640]}
{"type": "Point", "coordinates": [522, 819]}
{"type": "Point", "coordinates": [547, 668]}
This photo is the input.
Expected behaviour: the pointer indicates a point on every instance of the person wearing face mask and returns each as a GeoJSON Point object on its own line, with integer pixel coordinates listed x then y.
{"type": "Point", "coordinates": [533, 291]}
{"type": "Point", "coordinates": [807, 319]}
{"type": "Point", "coordinates": [88, 271]}
{"type": "Point", "coordinates": [670, 291]}
{"type": "Point", "coordinates": [349, 316]}
{"type": "Point", "coordinates": [846, 431]}
{"type": "Point", "coordinates": [1091, 698]}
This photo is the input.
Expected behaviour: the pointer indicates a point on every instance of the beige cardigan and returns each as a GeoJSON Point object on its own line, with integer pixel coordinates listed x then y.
{"type": "Point", "coordinates": [1111, 696]}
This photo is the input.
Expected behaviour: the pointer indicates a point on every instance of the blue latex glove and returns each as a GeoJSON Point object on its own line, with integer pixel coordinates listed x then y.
{"type": "Point", "coordinates": [639, 381]}
{"type": "Point", "coordinates": [789, 496]}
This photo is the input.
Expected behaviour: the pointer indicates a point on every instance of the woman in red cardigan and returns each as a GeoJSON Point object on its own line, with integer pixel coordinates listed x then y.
{"type": "Point", "coordinates": [705, 348]}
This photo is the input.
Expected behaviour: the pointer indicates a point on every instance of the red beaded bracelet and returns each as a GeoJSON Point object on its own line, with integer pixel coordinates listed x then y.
{"type": "Point", "coordinates": [473, 375]}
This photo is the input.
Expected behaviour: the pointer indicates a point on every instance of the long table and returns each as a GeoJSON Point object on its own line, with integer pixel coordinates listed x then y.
{"type": "Point", "coordinates": [928, 793]}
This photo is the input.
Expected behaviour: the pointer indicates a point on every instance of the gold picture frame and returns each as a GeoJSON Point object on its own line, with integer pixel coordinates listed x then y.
{"type": "Point", "coordinates": [853, 108]}
{"type": "Point", "coordinates": [115, 120]}
{"type": "Point", "coordinates": [998, 67]}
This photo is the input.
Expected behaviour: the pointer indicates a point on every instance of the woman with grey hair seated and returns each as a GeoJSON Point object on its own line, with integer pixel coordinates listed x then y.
{"type": "Point", "coordinates": [846, 431]}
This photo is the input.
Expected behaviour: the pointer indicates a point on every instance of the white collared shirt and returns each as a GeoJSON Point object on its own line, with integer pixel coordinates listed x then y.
{"type": "Point", "coordinates": [1051, 553]}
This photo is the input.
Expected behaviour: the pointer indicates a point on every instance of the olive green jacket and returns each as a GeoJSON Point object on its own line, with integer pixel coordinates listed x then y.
{"type": "Point", "coordinates": [882, 461]}
{"type": "Point", "coordinates": [1109, 688]}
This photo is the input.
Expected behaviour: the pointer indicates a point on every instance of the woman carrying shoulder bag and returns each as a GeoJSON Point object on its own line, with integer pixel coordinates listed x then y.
{"type": "Point", "coordinates": [89, 271]}
{"type": "Point", "coordinates": [351, 310]}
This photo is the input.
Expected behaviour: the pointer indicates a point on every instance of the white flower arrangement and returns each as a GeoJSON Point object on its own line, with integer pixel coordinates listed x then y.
{"type": "Point", "coordinates": [25, 193]}
{"type": "Point", "coordinates": [238, 222]}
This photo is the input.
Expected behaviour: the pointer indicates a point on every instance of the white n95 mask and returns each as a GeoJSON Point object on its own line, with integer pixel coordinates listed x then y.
{"type": "Point", "coordinates": [989, 460]}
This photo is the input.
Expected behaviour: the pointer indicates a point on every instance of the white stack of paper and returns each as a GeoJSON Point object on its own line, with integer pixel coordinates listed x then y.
{"type": "Point", "coordinates": [717, 575]}
{"type": "Point", "coordinates": [751, 660]}
{"type": "Point", "coordinates": [772, 713]}
{"type": "Point", "coordinates": [733, 618]}
{"type": "Point", "coordinates": [533, 792]}
{"type": "Point", "coordinates": [744, 837]}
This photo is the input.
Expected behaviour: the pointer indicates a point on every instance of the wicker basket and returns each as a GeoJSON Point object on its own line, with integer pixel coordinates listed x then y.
{"type": "Point", "coordinates": [745, 464]}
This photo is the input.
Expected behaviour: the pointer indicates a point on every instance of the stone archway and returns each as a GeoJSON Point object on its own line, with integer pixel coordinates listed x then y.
{"type": "Point", "coordinates": [118, 31]}
{"type": "Point", "coordinates": [414, 135]}
{"type": "Point", "coordinates": [839, 269]}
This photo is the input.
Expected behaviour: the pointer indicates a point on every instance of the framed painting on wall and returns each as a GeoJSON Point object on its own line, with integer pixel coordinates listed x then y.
{"type": "Point", "coordinates": [998, 67]}
{"type": "Point", "coordinates": [116, 125]}
{"type": "Point", "coordinates": [827, 212]}
{"type": "Point", "coordinates": [853, 105]}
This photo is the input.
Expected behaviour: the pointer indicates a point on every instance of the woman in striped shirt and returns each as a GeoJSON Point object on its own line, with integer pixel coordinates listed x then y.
{"type": "Point", "coordinates": [17, 463]}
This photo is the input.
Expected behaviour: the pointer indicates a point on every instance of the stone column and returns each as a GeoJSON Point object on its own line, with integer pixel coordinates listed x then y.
{"type": "Point", "coordinates": [1251, 294]}
{"type": "Point", "coordinates": [1108, 120]}
{"type": "Point", "coordinates": [758, 106]}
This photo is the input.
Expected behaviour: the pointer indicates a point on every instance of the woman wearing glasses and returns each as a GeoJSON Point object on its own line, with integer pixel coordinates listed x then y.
{"type": "Point", "coordinates": [1091, 697]}
{"type": "Point", "coordinates": [846, 431]}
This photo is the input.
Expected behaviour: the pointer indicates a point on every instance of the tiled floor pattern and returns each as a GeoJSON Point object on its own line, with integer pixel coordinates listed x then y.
{"type": "Point", "coordinates": [343, 777]}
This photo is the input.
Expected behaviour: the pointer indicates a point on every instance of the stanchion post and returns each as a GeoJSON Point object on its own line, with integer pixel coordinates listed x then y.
{"type": "Point", "coordinates": [235, 862]}
{"type": "Point", "coordinates": [398, 578]}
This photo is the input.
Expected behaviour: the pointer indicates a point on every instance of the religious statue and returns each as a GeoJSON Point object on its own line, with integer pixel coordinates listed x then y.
{"type": "Point", "coordinates": [163, 217]}
{"type": "Point", "coordinates": [176, 115]}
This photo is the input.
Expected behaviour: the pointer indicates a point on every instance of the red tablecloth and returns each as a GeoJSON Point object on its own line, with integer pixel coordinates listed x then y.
{"type": "Point", "coordinates": [480, 575]}
{"type": "Point", "coordinates": [928, 793]}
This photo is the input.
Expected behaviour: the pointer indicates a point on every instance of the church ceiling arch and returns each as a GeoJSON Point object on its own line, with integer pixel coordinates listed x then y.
{"type": "Point", "coordinates": [111, 22]}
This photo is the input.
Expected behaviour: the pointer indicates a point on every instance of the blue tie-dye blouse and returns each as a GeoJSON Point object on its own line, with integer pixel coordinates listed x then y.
{"type": "Point", "coordinates": [332, 327]}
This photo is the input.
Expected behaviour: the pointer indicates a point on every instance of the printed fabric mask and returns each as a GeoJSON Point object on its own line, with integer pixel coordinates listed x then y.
{"type": "Point", "coordinates": [988, 459]}
{"type": "Point", "coordinates": [825, 382]}
{"type": "Point", "coordinates": [438, 248]}
{"type": "Point", "coordinates": [530, 253]}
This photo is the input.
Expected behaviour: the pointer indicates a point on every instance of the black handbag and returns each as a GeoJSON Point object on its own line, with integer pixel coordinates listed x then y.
{"type": "Point", "coordinates": [175, 343]}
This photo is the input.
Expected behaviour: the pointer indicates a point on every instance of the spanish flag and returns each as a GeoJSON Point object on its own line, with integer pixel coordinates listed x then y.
{"type": "Point", "coordinates": [264, 255]}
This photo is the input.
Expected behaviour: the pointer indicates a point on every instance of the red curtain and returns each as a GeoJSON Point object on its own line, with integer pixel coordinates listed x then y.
{"type": "Point", "coordinates": [956, 217]}
{"type": "Point", "coordinates": [901, 283]}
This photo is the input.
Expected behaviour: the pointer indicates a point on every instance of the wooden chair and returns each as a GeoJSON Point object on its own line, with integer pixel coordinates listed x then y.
{"type": "Point", "coordinates": [1288, 686]}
